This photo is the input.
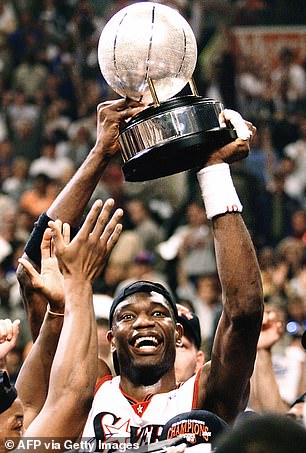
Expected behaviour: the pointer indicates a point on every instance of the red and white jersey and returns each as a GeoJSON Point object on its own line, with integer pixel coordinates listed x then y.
{"type": "Point", "coordinates": [116, 416]}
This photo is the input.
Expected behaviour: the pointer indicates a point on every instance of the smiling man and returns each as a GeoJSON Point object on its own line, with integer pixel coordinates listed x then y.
{"type": "Point", "coordinates": [144, 331]}
{"type": "Point", "coordinates": [143, 336]}
{"type": "Point", "coordinates": [147, 347]}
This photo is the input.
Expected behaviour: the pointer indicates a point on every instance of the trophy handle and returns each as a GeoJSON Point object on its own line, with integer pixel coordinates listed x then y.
{"type": "Point", "coordinates": [193, 87]}
{"type": "Point", "coordinates": [153, 92]}
{"type": "Point", "coordinates": [156, 102]}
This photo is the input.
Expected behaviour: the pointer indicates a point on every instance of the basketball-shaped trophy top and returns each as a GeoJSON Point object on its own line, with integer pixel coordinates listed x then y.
{"type": "Point", "coordinates": [147, 40]}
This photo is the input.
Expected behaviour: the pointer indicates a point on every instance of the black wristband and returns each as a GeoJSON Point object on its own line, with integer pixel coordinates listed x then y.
{"type": "Point", "coordinates": [32, 248]}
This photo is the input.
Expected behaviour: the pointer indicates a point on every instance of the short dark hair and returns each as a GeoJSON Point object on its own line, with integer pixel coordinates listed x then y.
{"type": "Point", "coordinates": [141, 286]}
{"type": "Point", "coordinates": [191, 325]}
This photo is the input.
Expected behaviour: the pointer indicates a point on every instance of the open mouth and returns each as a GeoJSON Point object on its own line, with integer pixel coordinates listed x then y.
{"type": "Point", "coordinates": [147, 344]}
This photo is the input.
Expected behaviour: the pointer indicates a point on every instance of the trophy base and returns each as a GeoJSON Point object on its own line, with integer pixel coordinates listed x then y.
{"type": "Point", "coordinates": [176, 136]}
{"type": "Point", "coordinates": [179, 155]}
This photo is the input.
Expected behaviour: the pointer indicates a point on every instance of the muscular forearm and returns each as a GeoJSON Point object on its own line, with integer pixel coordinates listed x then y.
{"type": "Point", "coordinates": [265, 396]}
{"type": "Point", "coordinates": [241, 290]}
{"type": "Point", "coordinates": [77, 345]}
{"type": "Point", "coordinates": [71, 202]}
{"type": "Point", "coordinates": [34, 303]}
{"type": "Point", "coordinates": [69, 207]}
{"type": "Point", "coordinates": [234, 348]}
{"type": "Point", "coordinates": [238, 268]}
{"type": "Point", "coordinates": [74, 370]}
{"type": "Point", "coordinates": [33, 379]}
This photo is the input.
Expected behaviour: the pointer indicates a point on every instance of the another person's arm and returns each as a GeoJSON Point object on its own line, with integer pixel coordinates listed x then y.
{"type": "Point", "coordinates": [265, 395]}
{"type": "Point", "coordinates": [33, 380]}
{"type": "Point", "coordinates": [71, 202]}
{"type": "Point", "coordinates": [224, 383]}
{"type": "Point", "coordinates": [74, 369]}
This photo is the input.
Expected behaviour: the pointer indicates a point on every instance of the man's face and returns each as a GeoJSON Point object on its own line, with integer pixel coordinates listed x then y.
{"type": "Point", "coordinates": [144, 334]}
{"type": "Point", "coordinates": [11, 422]}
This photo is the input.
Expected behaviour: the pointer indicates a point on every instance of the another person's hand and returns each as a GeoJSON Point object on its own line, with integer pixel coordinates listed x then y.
{"type": "Point", "coordinates": [8, 336]}
{"type": "Point", "coordinates": [86, 255]}
{"type": "Point", "coordinates": [239, 148]}
{"type": "Point", "coordinates": [111, 116]}
{"type": "Point", "coordinates": [49, 281]}
{"type": "Point", "coordinates": [272, 328]}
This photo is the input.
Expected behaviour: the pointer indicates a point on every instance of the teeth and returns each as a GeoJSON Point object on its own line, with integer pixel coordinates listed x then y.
{"type": "Point", "coordinates": [140, 340]}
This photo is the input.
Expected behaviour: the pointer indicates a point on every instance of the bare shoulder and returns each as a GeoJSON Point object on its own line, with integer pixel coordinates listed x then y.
{"type": "Point", "coordinates": [205, 371]}
{"type": "Point", "coordinates": [204, 377]}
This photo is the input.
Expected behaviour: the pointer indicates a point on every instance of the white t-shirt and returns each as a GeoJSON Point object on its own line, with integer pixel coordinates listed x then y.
{"type": "Point", "coordinates": [54, 168]}
{"type": "Point", "coordinates": [116, 416]}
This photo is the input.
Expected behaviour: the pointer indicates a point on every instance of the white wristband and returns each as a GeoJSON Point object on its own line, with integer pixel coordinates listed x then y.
{"type": "Point", "coordinates": [218, 191]}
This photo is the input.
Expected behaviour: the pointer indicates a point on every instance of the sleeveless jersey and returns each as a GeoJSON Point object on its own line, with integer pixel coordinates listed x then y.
{"type": "Point", "coordinates": [115, 416]}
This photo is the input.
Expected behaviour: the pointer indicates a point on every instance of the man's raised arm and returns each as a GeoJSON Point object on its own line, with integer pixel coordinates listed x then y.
{"type": "Point", "coordinates": [74, 368]}
{"type": "Point", "coordinates": [71, 202]}
{"type": "Point", "coordinates": [224, 382]}
{"type": "Point", "coordinates": [35, 372]}
{"type": "Point", "coordinates": [265, 395]}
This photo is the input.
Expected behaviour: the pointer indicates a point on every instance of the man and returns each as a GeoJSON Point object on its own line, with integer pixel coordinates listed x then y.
{"type": "Point", "coordinates": [144, 331]}
{"type": "Point", "coordinates": [189, 357]}
{"type": "Point", "coordinates": [54, 391]}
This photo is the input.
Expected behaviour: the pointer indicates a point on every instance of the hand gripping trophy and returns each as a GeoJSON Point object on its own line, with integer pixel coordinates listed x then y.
{"type": "Point", "coordinates": [148, 52]}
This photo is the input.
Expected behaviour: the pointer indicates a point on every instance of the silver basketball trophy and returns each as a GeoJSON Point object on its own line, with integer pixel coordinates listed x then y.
{"type": "Point", "coordinates": [148, 52]}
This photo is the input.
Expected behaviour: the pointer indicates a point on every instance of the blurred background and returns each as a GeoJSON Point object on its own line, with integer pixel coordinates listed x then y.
{"type": "Point", "coordinates": [251, 56]}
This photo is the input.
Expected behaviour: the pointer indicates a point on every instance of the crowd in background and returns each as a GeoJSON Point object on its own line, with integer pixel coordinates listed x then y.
{"type": "Point", "coordinates": [50, 85]}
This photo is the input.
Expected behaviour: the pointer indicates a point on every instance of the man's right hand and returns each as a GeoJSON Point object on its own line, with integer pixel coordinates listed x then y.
{"type": "Point", "coordinates": [111, 116]}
